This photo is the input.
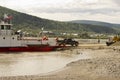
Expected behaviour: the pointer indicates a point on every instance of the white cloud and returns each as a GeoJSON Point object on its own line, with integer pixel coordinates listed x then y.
{"type": "Point", "coordinates": [116, 2]}
{"type": "Point", "coordinates": [81, 6]}
{"type": "Point", "coordinates": [104, 10]}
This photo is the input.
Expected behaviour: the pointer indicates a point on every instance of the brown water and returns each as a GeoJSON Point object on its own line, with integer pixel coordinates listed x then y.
{"type": "Point", "coordinates": [17, 64]}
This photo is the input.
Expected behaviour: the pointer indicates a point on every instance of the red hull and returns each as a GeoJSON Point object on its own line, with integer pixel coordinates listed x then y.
{"type": "Point", "coordinates": [29, 49]}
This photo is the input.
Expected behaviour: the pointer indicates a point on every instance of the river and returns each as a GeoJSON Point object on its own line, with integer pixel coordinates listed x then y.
{"type": "Point", "coordinates": [34, 63]}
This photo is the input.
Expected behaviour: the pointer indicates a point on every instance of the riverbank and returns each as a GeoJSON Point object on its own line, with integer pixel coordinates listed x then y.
{"type": "Point", "coordinates": [104, 64]}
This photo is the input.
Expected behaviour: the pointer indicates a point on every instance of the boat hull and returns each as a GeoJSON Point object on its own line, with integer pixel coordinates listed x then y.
{"type": "Point", "coordinates": [29, 49]}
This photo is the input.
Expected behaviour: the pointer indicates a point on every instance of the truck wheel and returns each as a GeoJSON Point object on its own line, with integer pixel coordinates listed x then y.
{"type": "Point", "coordinates": [72, 44]}
{"type": "Point", "coordinates": [76, 44]}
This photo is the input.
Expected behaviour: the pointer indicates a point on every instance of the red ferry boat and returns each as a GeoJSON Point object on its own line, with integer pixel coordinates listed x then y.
{"type": "Point", "coordinates": [14, 42]}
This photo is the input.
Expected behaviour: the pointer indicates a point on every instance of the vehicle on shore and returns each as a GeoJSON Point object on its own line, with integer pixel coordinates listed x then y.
{"type": "Point", "coordinates": [68, 41]}
{"type": "Point", "coordinates": [113, 40]}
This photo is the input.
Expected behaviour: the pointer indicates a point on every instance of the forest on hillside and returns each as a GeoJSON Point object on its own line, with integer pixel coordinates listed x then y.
{"type": "Point", "coordinates": [33, 24]}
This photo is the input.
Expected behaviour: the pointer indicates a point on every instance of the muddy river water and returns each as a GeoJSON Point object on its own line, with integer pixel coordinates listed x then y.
{"type": "Point", "coordinates": [26, 63]}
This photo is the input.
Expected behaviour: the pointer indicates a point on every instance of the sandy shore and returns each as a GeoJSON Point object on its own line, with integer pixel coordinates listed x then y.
{"type": "Point", "coordinates": [104, 64]}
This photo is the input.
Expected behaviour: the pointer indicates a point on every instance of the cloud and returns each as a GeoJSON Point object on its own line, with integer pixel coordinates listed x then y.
{"type": "Point", "coordinates": [106, 7]}
{"type": "Point", "coordinates": [106, 10]}
{"type": "Point", "coordinates": [63, 9]}
{"type": "Point", "coordinates": [77, 10]}
{"type": "Point", "coordinates": [68, 6]}
{"type": "Point", "coordinates": [116, 2]}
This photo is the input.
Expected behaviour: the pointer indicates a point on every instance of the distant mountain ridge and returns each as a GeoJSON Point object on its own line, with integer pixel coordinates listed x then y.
{"type": "Point", "coordinates": [100, 23]}
{"type": "Point", "coordinates": [34, 24]}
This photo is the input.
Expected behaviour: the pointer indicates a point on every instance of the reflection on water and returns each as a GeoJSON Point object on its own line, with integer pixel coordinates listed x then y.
{"type": "Point", "coordinates": [34, 63]}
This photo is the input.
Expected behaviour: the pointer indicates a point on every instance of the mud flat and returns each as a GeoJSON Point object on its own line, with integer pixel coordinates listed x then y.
{"type": "Point", "coordinates": [104, 64]}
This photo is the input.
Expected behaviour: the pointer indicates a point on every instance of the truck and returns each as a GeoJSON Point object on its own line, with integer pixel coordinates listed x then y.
{"type": "Point", "coordinates": [68, 41]}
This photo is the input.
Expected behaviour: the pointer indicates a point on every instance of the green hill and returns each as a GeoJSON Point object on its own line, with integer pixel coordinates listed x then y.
{"type": "Point", "coordinates": [34, 24]}
{"type": "Point", "coordinates": [98, 23]}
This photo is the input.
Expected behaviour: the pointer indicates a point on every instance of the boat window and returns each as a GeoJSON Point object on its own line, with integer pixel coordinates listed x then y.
{"type": "Point", "coordinates": [2, 27]}
{"type": "Point", "coordinates": [8, 27]}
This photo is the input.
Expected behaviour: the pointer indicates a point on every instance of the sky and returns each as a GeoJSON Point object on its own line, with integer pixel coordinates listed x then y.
{"type": "Point", "coordinates": [67, 10]}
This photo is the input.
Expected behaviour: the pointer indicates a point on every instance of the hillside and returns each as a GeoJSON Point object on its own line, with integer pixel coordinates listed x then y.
{"type": "Point", "coordinates": [93, 22]}
{"type": "Point", "coordinates": [98, 23]}
{"type": "Point", "coordinates": [34, 24]}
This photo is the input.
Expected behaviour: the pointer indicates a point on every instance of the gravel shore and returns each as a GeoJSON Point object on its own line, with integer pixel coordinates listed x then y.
{"type": "Point", "coordinates": [104, 64]}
